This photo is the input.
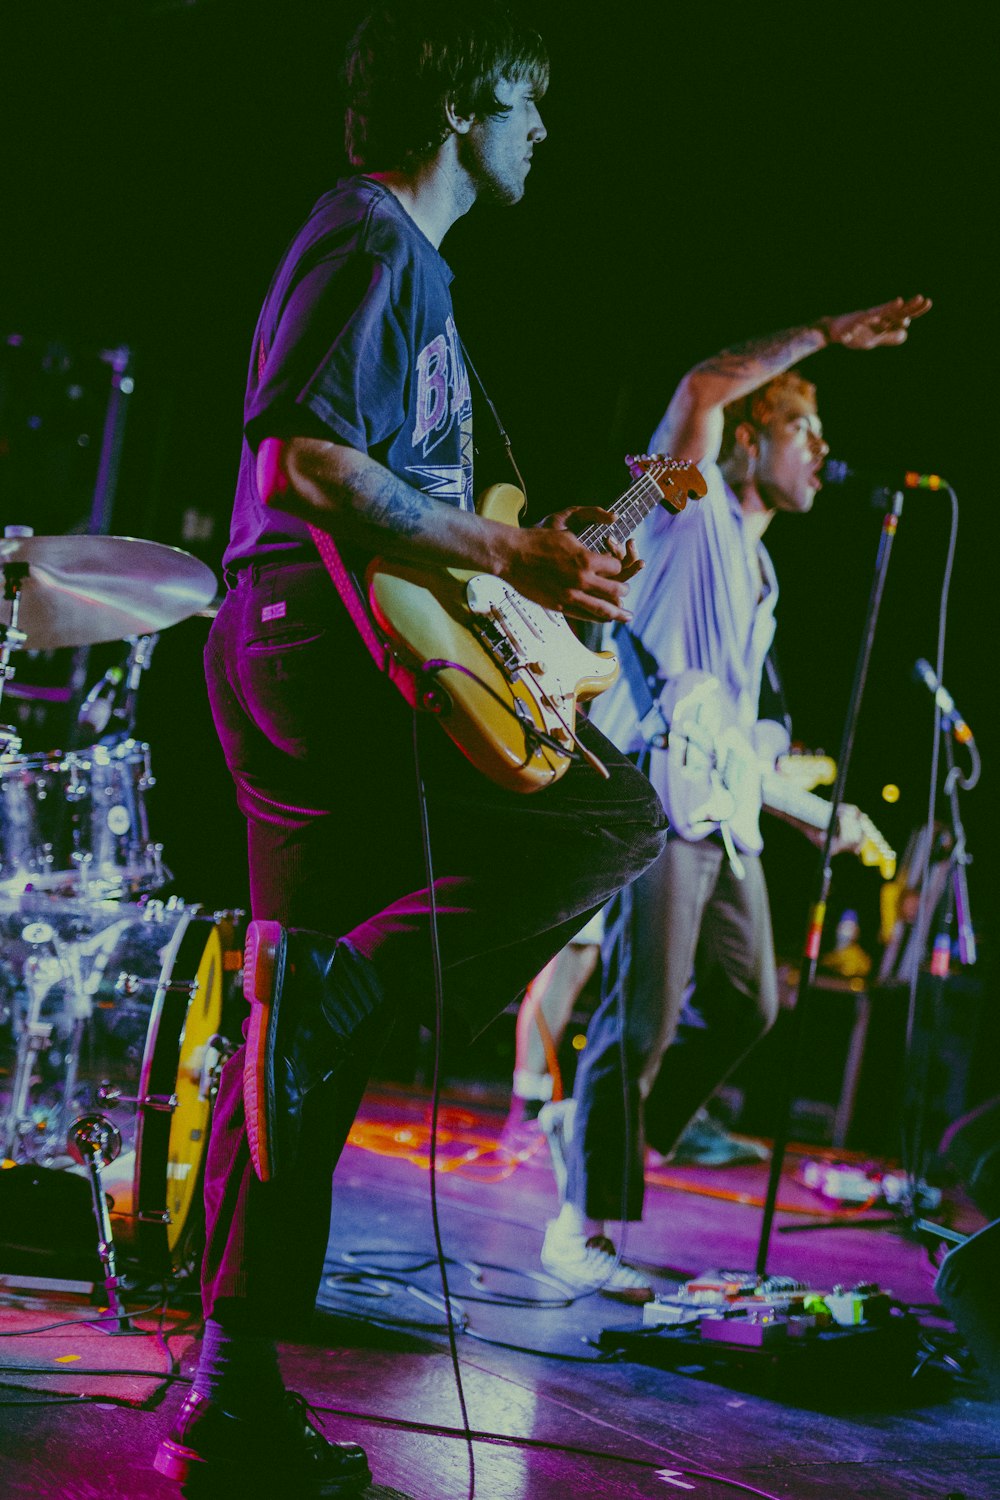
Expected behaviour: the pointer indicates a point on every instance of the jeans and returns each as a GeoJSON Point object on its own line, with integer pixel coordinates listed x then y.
{"type": "Point", "coordinates": [687, 914]}
{"type": "Point", "coordinates": [321, 750]}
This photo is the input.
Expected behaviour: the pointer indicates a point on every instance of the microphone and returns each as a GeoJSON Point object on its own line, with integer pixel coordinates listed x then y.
{"type": "Point", "coordinates": [99, 705]}
{"type": "Point", "coordinates": [836, 471]}
{"type": "Point", "coordinates": [924, 672]}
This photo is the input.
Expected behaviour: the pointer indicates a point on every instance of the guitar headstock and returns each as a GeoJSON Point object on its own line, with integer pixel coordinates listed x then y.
{"type": "Point", "coordinates": [807, 771]}
{"type": "Point", "coordinates": [677, 480]}
{"type": "Point", "coordinates": [875, 850]}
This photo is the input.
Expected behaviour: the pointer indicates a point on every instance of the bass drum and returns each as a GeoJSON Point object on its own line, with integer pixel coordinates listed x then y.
{"type": "Point", "coordinates": [126, 1011]}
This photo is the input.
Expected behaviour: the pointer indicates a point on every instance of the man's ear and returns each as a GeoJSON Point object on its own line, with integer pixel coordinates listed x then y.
{"type": "Point", "coordinates": [746, 438]}
{"type": "Point", "coordinates": [460, 124]}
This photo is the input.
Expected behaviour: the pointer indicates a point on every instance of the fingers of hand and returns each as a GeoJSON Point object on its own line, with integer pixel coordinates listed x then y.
{"type": "Point", "coordinates": [890, 321]}
{"type": "Point", "coordinates": [582, 606]}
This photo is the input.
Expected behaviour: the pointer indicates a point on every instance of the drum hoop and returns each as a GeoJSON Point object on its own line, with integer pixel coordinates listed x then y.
{"type": "Point", "coordinates": [153, 1030]}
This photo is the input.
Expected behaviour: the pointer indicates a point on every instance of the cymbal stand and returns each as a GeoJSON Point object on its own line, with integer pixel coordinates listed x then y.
{"type": "Point", "coordinates": [141, 648]}
{"type": "Point", "coordinates": [96, 1142]}
{"type": "Point", "coordinates": [954, 905]}
{"type": "Point", "coordinates": [817, 910]}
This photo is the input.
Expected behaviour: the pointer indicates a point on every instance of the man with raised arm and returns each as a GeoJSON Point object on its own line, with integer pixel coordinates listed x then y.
{"type": "Point", "coordinates": [693, 658]}
{"type": "Point", "coordinates": [358, 428]}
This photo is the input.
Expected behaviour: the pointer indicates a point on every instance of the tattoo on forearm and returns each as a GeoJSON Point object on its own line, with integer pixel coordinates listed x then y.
{"type": "Point", "coordinates": [758, 356]}
{"type": "Point", "coordinates": [396, 505]}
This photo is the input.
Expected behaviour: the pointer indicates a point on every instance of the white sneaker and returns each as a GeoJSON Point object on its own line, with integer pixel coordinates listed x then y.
{"type": "Point", "coordinates": [592, 1265]}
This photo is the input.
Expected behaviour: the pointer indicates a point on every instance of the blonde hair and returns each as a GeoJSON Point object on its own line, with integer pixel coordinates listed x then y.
{"type": "Point", "coordinates": [762, 406]}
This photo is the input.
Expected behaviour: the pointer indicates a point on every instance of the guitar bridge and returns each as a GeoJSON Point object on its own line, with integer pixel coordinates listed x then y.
{"type": "Point", "coordinates": [503, 650]}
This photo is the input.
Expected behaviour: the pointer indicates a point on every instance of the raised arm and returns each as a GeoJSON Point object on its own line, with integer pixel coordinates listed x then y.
{"type": "Point", "coordinates": [358, 501]}
{"type": "Point", "coordinates": [691, 427]}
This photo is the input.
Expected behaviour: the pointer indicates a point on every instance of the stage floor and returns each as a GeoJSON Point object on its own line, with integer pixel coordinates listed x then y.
{"type": "Point", "coordinates": [554, 1408]}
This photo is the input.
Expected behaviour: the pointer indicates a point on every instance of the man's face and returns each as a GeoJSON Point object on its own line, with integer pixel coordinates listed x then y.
{"type": "Point", "coordinates": [497, 148]}
{"type": "Point", "coordinates": [790, 455]}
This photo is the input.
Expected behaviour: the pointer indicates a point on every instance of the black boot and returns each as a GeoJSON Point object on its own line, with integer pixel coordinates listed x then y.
{"type": "Point", "coordinates": [309, 995]}
{"type": "Point", "coordinates": [210, 1452]}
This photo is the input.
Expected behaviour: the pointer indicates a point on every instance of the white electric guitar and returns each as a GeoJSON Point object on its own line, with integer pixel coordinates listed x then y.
{"type": "Point", "coordinates": [718, 776]}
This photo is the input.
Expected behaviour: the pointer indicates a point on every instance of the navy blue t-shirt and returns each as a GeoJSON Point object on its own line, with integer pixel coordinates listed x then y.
{"type": "Point", "coordinates": [356, 340]}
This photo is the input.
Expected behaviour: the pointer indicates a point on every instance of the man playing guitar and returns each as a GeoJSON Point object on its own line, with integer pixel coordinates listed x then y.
{"type": "Point", "coordinates": [358, 427]}
{"type": "Point", "coordinates": [692, 662]}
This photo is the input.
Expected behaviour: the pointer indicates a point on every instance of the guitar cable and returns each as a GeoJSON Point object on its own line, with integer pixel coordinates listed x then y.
{"type": "Point", "coordinates": [438, 975]}
{"type": "Point", "coordinates": [425, 838]}
{"type": "Point", "coordinates": [531, 731]}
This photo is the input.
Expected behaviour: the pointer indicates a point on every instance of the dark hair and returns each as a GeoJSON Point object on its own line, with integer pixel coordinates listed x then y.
{"type": "Point", "coordinates": [406, 61]}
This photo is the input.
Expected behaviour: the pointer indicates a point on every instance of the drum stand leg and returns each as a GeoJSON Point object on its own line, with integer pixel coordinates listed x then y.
{"type": "Point", "coordinates": [96, 1142]}
{"type": "Point", "coordinates": [35, 1038]}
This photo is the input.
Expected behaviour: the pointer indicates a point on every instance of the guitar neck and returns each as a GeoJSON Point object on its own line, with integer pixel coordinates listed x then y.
{"type": "Point", "coordinates": [631, 509]}
{"type": "Point", "coordinates": [777, 796]}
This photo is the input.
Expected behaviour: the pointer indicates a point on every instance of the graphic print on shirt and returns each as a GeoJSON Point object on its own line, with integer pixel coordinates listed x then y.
{"type": "Point", "coordinates": [443, 397]}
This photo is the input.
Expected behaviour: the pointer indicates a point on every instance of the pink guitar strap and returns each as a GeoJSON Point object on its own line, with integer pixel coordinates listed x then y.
{"type": "Point", "coordinates": [378, 648]}
{"type": "Point", "coordinates": [353, 600]}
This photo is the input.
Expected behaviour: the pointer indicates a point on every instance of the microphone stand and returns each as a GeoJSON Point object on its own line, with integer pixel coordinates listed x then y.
{"type": "Point", "coordinates": [954, 903]}
{"type": "Point", "coordinates": [817, 910]}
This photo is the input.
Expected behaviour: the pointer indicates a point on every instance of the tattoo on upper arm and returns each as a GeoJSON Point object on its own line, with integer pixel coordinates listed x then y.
{"type": "Point", "coordinates": [744, 360]}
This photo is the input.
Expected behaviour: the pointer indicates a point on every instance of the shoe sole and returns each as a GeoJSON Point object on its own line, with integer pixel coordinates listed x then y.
{"type": "Point", "coordinates": [636, 1296]}
{"type": "Point", "coordinates": [200, 1477]}
{"type": "Point", "coordinates": [263, 972]}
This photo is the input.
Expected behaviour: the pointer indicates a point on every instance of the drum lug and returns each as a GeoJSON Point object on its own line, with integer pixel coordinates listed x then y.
{"type": "Point", "coordinates": [134, 984]}
{"type": "Point", "coordinates": [109, 1093]}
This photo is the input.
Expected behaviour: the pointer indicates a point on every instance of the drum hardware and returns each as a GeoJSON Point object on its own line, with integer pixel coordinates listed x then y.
{"type": "Point", "coordinates": [12, 637]}
{"type": "Point", "coordinates": [95, 1142]}
{"type": "Point", "coordinates": [144, 1056]}
{"type": "Point", "coordinates": [114, 697]}
{"type": "Point", "coordinates": [42, 972]}
{"type": "Point", "coordinates": [218, 1051]}
{"type": "Point", "coordinates": [134, 984]}
{"type": "Point", "coordinates": [75, 823]}
{"type": "Point", "coordinates": [107, 1093]}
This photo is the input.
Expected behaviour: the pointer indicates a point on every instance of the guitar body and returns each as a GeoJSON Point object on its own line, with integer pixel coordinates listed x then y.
{"type": "Point", "coordinates": [498, 669]}
{"type": "Point", "coordinates": [713, 772]}
{"type": "Point", "coordinates": [719, 777]}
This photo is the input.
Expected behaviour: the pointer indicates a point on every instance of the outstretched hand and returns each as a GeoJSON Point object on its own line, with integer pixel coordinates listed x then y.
{"type": "Point", "coordinates": [886, 324]}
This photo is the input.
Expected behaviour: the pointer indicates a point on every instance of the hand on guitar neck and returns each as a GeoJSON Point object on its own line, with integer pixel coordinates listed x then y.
{"type": "Point", "coordinates": [853, 829]}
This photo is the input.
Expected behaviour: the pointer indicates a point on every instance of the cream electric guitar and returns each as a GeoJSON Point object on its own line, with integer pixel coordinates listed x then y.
{"type": "Point", "coordinates": [503, 673]}
{"type": "Point", "coordinates": [718, 777]}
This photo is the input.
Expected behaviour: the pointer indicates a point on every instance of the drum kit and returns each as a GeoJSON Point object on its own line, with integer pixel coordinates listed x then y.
{"type": "Point", "coordinates": [117, 1008]}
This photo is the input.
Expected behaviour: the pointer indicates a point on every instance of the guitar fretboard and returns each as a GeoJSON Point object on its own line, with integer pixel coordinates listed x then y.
{"type": "Point", "coordinates": [632, 507]}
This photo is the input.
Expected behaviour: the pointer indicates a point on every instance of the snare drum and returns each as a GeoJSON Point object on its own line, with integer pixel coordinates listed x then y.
{"type": "Point", "coordinates": [74, 823]}
{"type": "Point", "coordinates": [125, 1011]}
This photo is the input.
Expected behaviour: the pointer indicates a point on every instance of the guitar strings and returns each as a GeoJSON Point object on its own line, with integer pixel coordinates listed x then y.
{"type": "Point", "coordinates": [630, 508]}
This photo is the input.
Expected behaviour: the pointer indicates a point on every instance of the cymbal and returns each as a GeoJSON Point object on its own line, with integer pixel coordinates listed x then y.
{"type": "Point", "coordinates": [80, 590]}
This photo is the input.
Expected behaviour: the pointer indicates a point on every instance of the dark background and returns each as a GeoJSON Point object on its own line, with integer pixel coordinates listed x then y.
{"type": "Point", "coordinates": [710, 174]}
